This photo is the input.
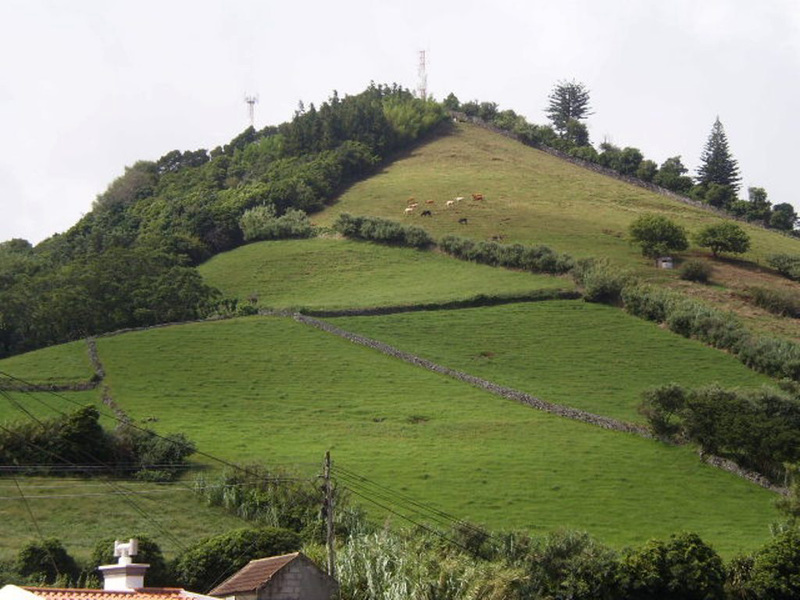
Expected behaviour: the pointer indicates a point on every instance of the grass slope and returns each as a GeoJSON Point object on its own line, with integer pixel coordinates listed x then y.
{"type": "Point", "coordinates": [466, 451]}
{"type": "Point", "coordinates": [336, 273]}
{"type": "Point", "coordinates": [65, 363]}
{"type": "Point", "coordinates": [588, 356]}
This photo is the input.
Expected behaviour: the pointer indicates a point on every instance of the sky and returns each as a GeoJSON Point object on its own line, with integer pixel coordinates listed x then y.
{"type": "Point", "coordinates": [88, 87]}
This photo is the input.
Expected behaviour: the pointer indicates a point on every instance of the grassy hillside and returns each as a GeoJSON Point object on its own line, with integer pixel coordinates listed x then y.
{"type": "Point", "coordinates": [532, 197]}
{"type": "Point", "coordinates": [432, 437]}
{"type": "Point", "coordinates": [588, 356]}
{"type": "Point", "coordinates": [336, 273]}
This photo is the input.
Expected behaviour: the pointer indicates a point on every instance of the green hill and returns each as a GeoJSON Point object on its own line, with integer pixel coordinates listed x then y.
{"type": "Point", "coordinates": [271, 389]}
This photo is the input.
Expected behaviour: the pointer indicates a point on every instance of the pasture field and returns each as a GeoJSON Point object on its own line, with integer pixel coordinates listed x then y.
{"type": "Point", "coordinates": [588, 356]}
{"type": "Point", "coordinates": [530, 197]}
{"type": "Point", "coordinates": [534, 198]}
{"type": "Point", "coordinates": [64, 363]}
{"type": "Point", "coordinates": [337, 273]}
{"type": "Point", "coordinates": [80, 512]}
{"type": "Point", "coordinates": [463, 450]}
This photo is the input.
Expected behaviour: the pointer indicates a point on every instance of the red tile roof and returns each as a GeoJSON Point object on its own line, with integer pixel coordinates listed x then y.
{"type": "Point", "coordinates": [253, 576]}
{"type": "Point", "coordinates": [86, 594]}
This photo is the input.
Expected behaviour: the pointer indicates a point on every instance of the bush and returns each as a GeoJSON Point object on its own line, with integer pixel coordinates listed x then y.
{"type": "Point", "coordinates": [780, 302]}
{"type": "Point", "coordinates": [261, 223]}
{"type": "Point", "coordinates": [723, 237]}
{"type": "Point", "coordinates": [46, 562]}
{"type": "Point", "coordinates": [657, 235]}
{"type": "Point", "coordinates": [211, 561]}
{"type": "Point", "coordinates": [536, 259]}
{"type": "Point", "coordinates": [775, 573]}
{"type": "Point", "coordinates": [696, 270]}
{"type": "Point", "coordinates": [600, 281]}
{"type": "Point", "coordinates": [383, 231]}
{"type": "Point", "coordinates": [685, 567]}
{"type": "Point", "coordinates": [787, 265]}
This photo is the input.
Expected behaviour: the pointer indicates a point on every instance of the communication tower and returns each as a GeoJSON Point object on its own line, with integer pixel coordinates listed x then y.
{"type": "Point", "coordinates": [422, 84]}
{"type": "Point", "coordinates": [251, 108]}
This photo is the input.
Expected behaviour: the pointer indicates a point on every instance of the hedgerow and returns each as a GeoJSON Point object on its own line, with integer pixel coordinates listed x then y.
{"type": "Point", "coordinates": [536, 259]}
{"type": "Point", "coordinates": [382, 231]}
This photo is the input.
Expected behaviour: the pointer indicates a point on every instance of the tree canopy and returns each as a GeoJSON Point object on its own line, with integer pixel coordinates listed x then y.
{"type": "Point", "coordinates": [569, 101]}
{"type": "Point", "coordinates": [657, 235]}
{"type": "Point", "coordinates": [723, 237]}
{"type": "Point", "coordinates": [717, 165]}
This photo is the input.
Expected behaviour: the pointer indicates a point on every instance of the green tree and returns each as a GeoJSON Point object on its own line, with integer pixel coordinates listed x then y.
{"type": "Point", "coordinates": [783, 217]}
{"type": "Point", "coordinates": [776, 568]}
{"type": "Point", "coordinates": [723, 237]}
{"type": "Point", "coordinates": [672, 175]}
{"type": "Point", "coordinates": [685, 567]}
{"type": "Point", "coordinates": [568, 101]}
{"type": "Point", "coordinates": [647, 170]}
{"type": "Point", "coordinates": [157, 575]}
{"type": "Point", "coordinates": [717, 165]}
{"type": "Point", "coordinates": [46, 562]}
{"type": "Point", "coordinates": [657, 235]}
{"type": "Point", "coordinates": [210, 561]}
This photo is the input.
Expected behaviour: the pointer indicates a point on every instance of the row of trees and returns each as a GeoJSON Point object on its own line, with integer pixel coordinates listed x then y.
{"type": "Point", "coordinates": [717, 182]}
{"type": "Point", "coordinates": [657, 235]}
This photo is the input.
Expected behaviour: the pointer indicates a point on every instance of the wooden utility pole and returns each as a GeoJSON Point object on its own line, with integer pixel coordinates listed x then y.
{"type": "Point", "coordinates": [330, 535]}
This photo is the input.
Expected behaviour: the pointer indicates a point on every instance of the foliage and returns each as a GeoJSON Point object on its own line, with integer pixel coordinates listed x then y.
{"type": "Point", "coordinates": [209, 562]}
{"type": "Point", "coordinates": [536, 259]}
{"type": "Point", "coordinates": [696, 270]}
{"type": "Point", "coordinates": [783, 217]}
{"type": "Point", "coordinates": [278, 498]}
{"type": "Point", "coordinates": [683, 567]}
{"type": "Point", "coordinates": [158, 574]}
{"type": "Point", "coordinates": [383, 231]}
{"type": "Point", "coordinates": [569, 100]}
{"type": "Point", "coordinates": [672, 175]}
{"type": "Point", "coordinates": [657, 235]}
{"type": "Point", "coordinates": [717, 165]}
{"type": "Point", "coordinates": [625, 161]}
{"type": "Point", "coordinates": [757, 429]}
{"type": "Point", "coordinates": [775, 573]}
{"type": "Point", "coordinates": [785, 303]}
{"type": "Point", "coordinates": [726, 236]}
{"type": "Point", "coordinates": [261, 223]}
{"type": "Point", "coordinates": [77, 438]}
{"type": "Point", "coordinates": [46, 562]}
{"type": "Point", "coordinates": [600, 281]}
{"type": "Point", "coordinates": [787, 265]}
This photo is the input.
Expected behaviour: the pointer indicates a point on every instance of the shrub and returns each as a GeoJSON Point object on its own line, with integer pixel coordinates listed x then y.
{"type": "Point", "coordinates": [723, 237]}
{"type": "Point", "coordinates": [536, 259]}
{"type": "Point", "coordinates": [775, 572]}
{"type": "Point", "coordinates": [780, 302]}
{"type": "Point", "coordinates": [383, 231]}
{"type": "Point", "coordinates": [787, 265]}
{"type": "Point", "coordinates": [46, 562]}
{"type": "Point", "coordinates": [600, 281]}
{"type": "Point", "coordinates": [657, 235]}
{"type": "Point", "coordinates": [210, 561]}
{"type": "Point", "coordinates": [261, 223]}
{"type": "Point", "coordinates": [696, 270]}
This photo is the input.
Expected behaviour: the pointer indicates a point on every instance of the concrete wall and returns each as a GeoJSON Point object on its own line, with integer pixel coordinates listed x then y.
{"type": "Point", "coordinates": [299, 580]}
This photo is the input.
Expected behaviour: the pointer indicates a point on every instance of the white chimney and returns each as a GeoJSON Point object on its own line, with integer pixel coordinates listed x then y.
{"type": "Point", "coordinates": [125, 575]}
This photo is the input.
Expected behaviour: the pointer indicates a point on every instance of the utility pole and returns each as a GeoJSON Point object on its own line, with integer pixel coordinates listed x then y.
{"type": "Point", "coordinates": [330, 535]}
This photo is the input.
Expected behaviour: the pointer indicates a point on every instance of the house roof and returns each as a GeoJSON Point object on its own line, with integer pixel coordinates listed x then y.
{"type": "Point", "coordinates": [254, 575]}
{"type": "Point", "coordinates": [11, 592]}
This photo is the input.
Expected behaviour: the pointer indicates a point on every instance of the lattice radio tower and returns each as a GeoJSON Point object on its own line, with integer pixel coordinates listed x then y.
{"type": "Point", "coordinates": [422, 75]}
{"type": "Point", "coordinates": [251, 108]}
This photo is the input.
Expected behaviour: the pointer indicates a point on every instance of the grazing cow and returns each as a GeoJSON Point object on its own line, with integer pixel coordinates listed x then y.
{"type": "Point", "coordinates": [462, 221]}
{"type": "Point", "coordinates": [410, 200]}
{"type": "Point", "coordinates": [459, 198]}
{"type": "Point", "coordinates": [430, 201]}
{"type": "Point", "coordinates": [477, 197]}
{"type": "Point", "coordinates": [413, 205]}
{"type": "Point", "coordinates": [450, 203]}
{"type": "Point", "coordinates": [426, 213]}
{"type": "Point", "coordinates": [408, 210]}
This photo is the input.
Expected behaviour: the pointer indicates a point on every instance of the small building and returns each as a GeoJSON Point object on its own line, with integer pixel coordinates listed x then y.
{"type": "Point", "coordinates": [288, 577]}
{"type": "Point", "coordinates": [121, 581]}
{"type": "Point", "coordinates": [665, 262]}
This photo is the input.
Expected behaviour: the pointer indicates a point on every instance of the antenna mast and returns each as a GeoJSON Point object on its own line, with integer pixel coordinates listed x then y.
{"type": "Point", "coordinates": [251, 108]}
{"type": "Point", "coordinates": [422, 84]}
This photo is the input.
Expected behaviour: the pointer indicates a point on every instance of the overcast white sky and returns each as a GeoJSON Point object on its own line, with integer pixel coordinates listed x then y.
{"type": "Point", "coordinates": [90, 86]}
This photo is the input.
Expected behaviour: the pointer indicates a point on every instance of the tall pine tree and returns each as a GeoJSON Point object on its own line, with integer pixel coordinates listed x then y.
{"type": "Point", "coordinates": [717, 164]}
{"type": "Point", "coordinates": [569, 101]}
